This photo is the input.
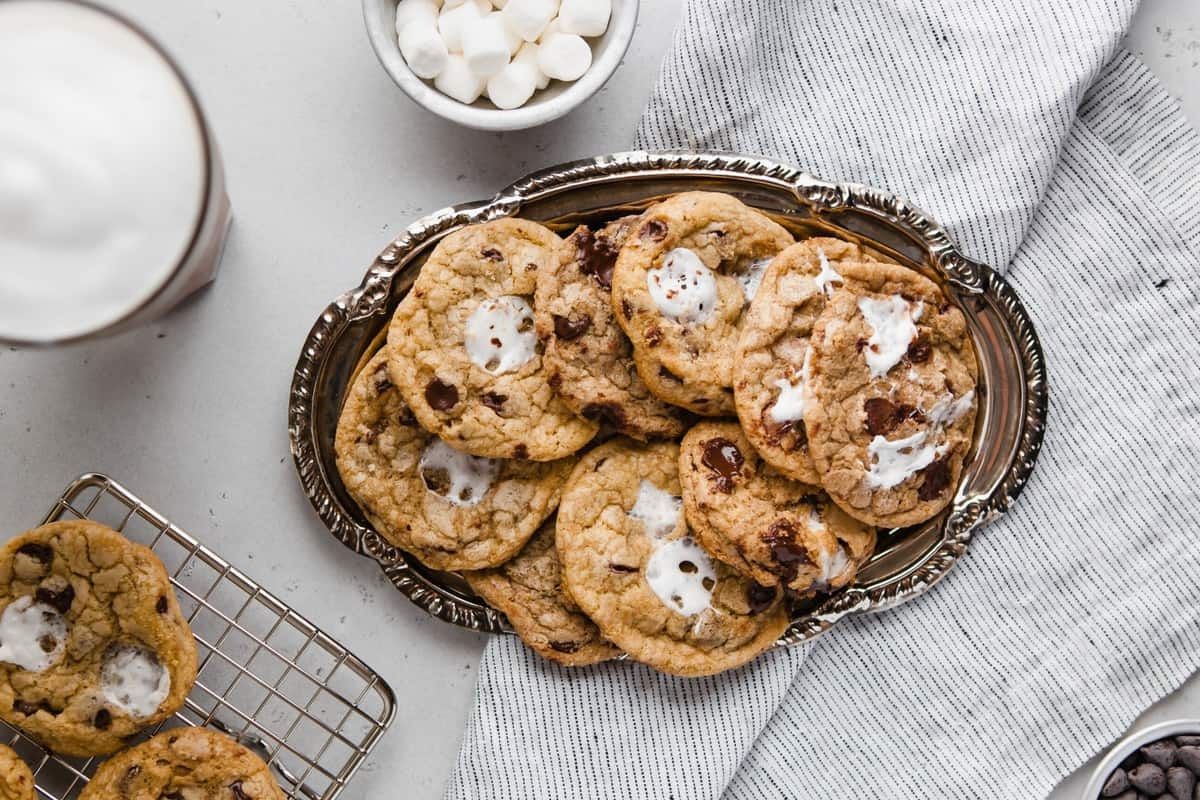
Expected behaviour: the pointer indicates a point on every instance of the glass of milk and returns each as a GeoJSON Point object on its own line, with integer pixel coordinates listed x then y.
{"type": "Point", "coordinates": [112, 195]}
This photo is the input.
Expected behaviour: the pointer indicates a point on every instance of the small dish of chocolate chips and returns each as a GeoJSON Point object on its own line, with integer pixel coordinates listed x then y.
{"type": "Point", "coordinates": [1160, 761]}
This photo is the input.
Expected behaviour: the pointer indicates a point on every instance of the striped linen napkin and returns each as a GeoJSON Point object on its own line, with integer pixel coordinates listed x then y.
{"type": "Point", "coordinates": [1051, 154]}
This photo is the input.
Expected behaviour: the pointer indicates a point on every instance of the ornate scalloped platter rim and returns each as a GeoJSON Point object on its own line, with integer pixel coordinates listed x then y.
{"type": "Point", "coordinates": [1011, 357]}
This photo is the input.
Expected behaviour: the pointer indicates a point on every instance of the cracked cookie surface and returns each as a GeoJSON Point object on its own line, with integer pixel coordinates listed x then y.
{"type": "Point", "coordinates": [894, 378]}
{"type": "Point", "coordinates": [449, 509]}
{"type": "Point", "coordinates": [768, 527]}
{"type": "Point", "coordinates": [769, 373]}
{"type": "Point", "coordinates": [464, 351]}
{"type": "Point", "coordinates": [182, 764]}
{"type": "Point", "coordinates": [589, 357]}
{"type": "Point", "coordinates": [681, 284]}
{"type": "Point", "coordinates": [93, 646]}
{"type": "Point", "coordinates": [528, 589]}
{"type": "Point", "coordinates": [631, 564]}
{"type": "Point", "coordinates": [16, 779]}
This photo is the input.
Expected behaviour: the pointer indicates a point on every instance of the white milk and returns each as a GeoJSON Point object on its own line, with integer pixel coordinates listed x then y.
{"type": "Point", "coordinates": [103, 170]}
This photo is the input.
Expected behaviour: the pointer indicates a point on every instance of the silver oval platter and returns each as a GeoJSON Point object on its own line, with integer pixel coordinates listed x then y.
{"type": "Point", "coordinates": [1013, 384]}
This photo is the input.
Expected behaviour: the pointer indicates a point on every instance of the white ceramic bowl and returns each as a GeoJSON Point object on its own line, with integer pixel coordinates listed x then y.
{"type": "Point", "coordinates": [546, 104]}
{"type": "Point", "coordinates": [1139, 738]}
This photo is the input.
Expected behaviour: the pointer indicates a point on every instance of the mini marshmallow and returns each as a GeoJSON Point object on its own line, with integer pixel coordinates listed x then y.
{"type": "Point", "coordinates": [458, 81]}
{"type": "Point", "coordinates": [484, 6]}
{"type": "Point", "coordinates": [512, 86]}
{"type": "Point", "coordinates": [499, 4]}
{"type": "Point", "coordinates": [450, 24]}
{"type": "Point", "coordinates": [584, 17]}
{"type": "Point", "coordinates": [510, 36]}
{"type": "Point", "coordinates": [414, 11]}
{"type": "Point", "coordinates": [528, 55]}
{"type": "Point", "coordinates": [485, 45]}
{"type": "Point", "coordinates": [564, 56]}
{"type": "Point", "coordinates": [449, 4]}
{"type": "Point", "coordinates": [423, 49]}
{"type": "Point", "coordinates": [529, 18]}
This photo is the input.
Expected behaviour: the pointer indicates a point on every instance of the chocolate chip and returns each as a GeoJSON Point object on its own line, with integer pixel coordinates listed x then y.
{"type": "Point", "coordinates": [520, 451]}
{"type": "Point", "coordinates": [759, 597]}
{"type": "Point", "coordinates": [615, 567]}
{"type": "Point", "coordinates": [382, 381]}
{"type": "Point", "coordinates": [596, 256]}
{"type": "Point", "coordinates": [626, 309]}
{"type": "Point", "coordinates": [708, 584]}
{"type": "Point", "coordinates": [491, 254]}
{"type": "Point", "coordinates": [1161, 753]}
{"type": "Point", "coordinates": [1181, 783]}
{"type": "Point", "coordinates": [687, 567]}
{"type": "Point", "coordinates": [1148, 779]}
{"type": "Point", "coordinates": [919, 351]}
{"type": "Point", "coordinates": [725, 460]}
{"type": "Point", "coordinates": [38, 552]}
{"type": "Point", "coordinates": [47, 643]}
{"type": "Point", "coordinates": [24, 707]}
{"type": "Point", "coordinates": [440, 395]}
{"type": "Point", "coordinates": [937, 478]}
{"type": "Point", "coordinates": [567, 329]}
{"type": "Point", "coordinates": [60, 601]}
{"type": "Point", "coordinates": [494, 400]}
{"type": "Point", "coordinates": [653, 336]}
{"type": "Point", "coordinates": [373, 431]}
{"type": "Point", "coordinates": [781, 538]}
{"type": "Point", "coordinates": [436, 479]}
{"type": "Point", "coordinates": [405, 417]}
{"type": "Point", "coordinates": [102, 720]}
{"type": "Point", "coordinates": [565, 647]}
{"type": "Point", "coordinates": [1117, 782]}
{"type": "Point", "coordinates": [1189, 756]}
{"type": "Point", "coordinates": [860, 344]}
{"type": "Point", "coordinates": [654, 230]}
{"type": "Point", "coordinates": [238, 792]}
{"type": "Point", "coordinates": [882, 415]}
{"type": "Point", "coordinates": [605, 412]}
{"type": "Point", "coordinates": [162, 605]}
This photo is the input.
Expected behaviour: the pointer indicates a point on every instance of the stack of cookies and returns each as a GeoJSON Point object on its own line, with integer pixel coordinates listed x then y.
{"type": "Point", "coordinates": [93, 650]}
{"type": "Point", "coordinates": [651, 438]}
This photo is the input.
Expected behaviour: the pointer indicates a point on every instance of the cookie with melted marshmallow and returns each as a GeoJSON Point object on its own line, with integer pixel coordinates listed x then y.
{"type": "Point", "coordinates": [449, 509]}
{"type": "Point", "coordinates": [93, 646]}
{"type": "Point", "coordinates": [772, 353]}
{"type": "Point", "coordinates": [681, 285]}
{"type": "Point", "coordinates": [589, 357]}
{"type": "Point", "coordinates": [464, 352]}
{"type": "Point", "coordinates": [775, 530]}
{"type": "Point", "coordinates": [893, 376]}
{"type": "Point", "coordinates": [631, 564]}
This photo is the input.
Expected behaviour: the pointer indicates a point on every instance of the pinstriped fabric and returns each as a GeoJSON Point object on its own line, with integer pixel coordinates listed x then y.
{"type": "Point", "coordinates": [1074, 612]}
{"type": "Point", "coordinates": [961, 105]}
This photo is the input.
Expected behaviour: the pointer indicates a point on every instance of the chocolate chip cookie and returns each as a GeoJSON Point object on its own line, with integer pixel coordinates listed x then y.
{"type": "Point", "coordinates": [589, 357]}
{"type": "Point", "coordinates": [680, 286]}
{"type": "Point", "coordinates": [631, 564]}
{"type": "Point", "coordinates": [528, 589]}
{"type": "Point", "coordinates": [184, 764]}
{"type": "Point", "coordinates": [449, 509]}
{"type": "Point", "coordinates": [465, 354]}
{"type": "Point", "coordinates": [16, 779]}
{"type": "Point", "coordinates": [769, 372]}
{"type": "Point", "coordinates": [93, 647]}
{"type": "Point", "coordinates": [775, 530]}
{"type": "Point", "coordinates": [894, 378]}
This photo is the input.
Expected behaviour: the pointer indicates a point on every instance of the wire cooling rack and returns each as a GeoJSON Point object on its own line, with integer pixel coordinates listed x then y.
{"type": "Point", "coordinates": [267, 676]}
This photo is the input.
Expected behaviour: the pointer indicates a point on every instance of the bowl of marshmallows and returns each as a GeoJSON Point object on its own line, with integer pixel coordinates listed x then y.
{"type": "Point", "coordinates": [500, 64]}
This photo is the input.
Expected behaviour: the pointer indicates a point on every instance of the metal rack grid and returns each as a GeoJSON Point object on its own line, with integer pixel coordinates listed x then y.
{"type": "Point", "coordinates": [266, 676]}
